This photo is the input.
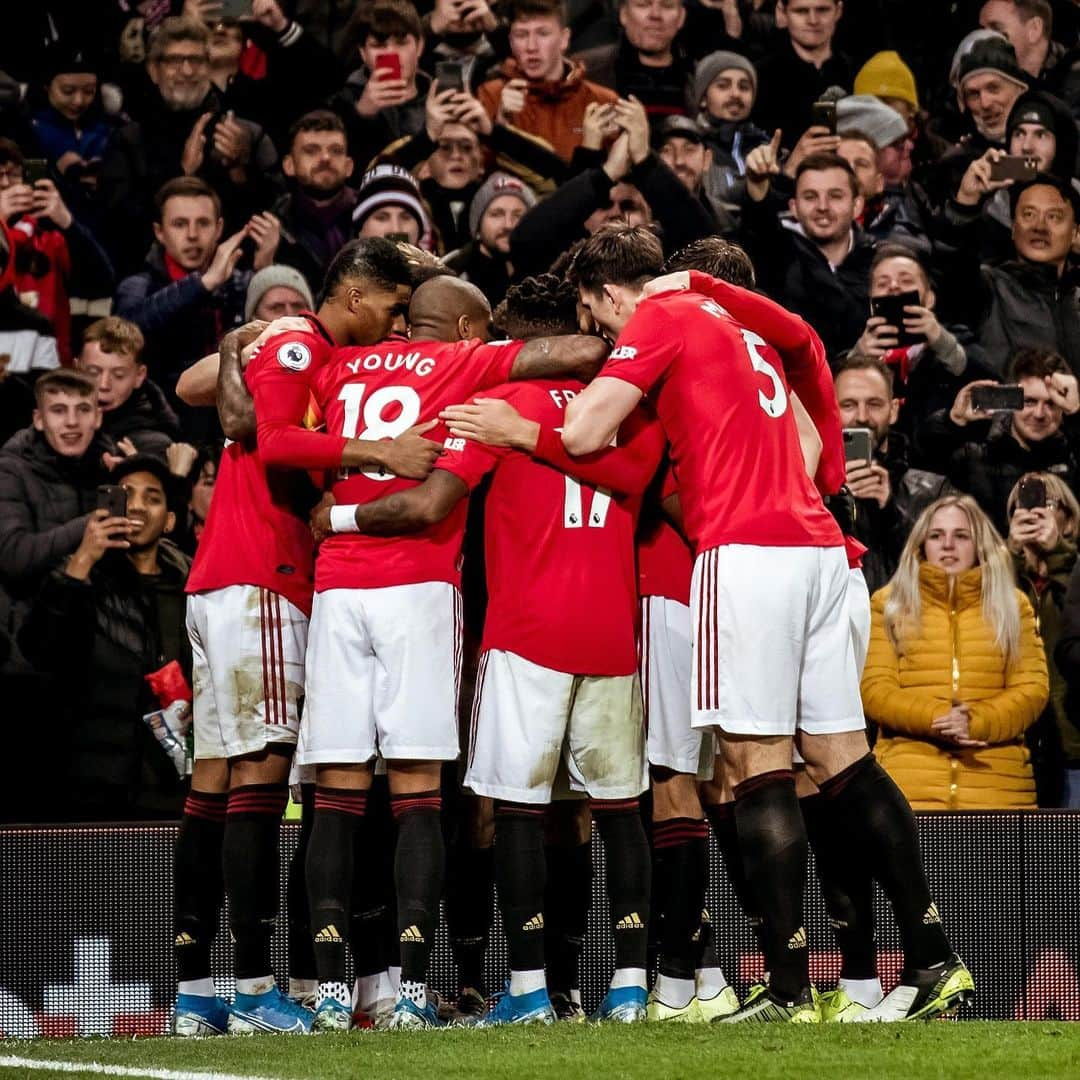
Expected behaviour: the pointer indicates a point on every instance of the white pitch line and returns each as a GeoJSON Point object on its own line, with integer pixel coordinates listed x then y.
{"type": "Point", "coordinates": [12, 1062]}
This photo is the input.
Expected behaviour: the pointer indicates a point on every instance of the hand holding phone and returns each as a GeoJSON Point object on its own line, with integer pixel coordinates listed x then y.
{"type": "Point", "coordinates": [35, 169]}
{"type": "Point", "coordinates": [388, 65]}
{"type": "Point", "coordinates": [824, 115]}
{"type": "Point", "coordinates": [858, 444]}
{"type": "Point", "coordinates": [991, 399]}
{"type": "Point", "coordinates": [1032, 493]}
{"type": "Point", "coordinates": [449, 75]}
{"type": "Point", "coordinates": [891, 309]}
{"type": "Point", "coordinates": [1014, 167]}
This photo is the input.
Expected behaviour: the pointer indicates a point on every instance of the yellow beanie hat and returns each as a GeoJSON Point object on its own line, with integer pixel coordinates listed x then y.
{"type": "Point", "coordinates": [886, 75]}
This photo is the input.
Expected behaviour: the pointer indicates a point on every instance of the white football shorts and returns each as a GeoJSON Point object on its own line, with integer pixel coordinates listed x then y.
{"type": "Point", "coordinates": [527, 719]}
{"type": "Point", "coordinates": [247, 651]}
{"type": "Point", "coordinates": [773, 647]}
{"type": "Point", "coordinates": [666, 651]}
{"type": "Point", "coordinates": [383, 673]}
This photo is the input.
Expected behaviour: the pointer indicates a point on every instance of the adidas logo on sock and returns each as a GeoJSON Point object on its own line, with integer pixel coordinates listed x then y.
{"type": "Point", "coordinates": [798, 939]}
{"type": "Point", "coordinates": [535, 923]}
{"type": "Point", "coordinates": [932, 916]}
{"type": "Point", "coordinates": [630, 922]}
{"type": "Point", "coordinates": [184, 938]}
{"type": "Point", "coordinates": [412, 935]}
{"type": "Point", "coordinates": [328, 935]}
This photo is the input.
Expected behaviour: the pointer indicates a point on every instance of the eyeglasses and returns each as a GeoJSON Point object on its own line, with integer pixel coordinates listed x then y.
{"type": "Point", "coordinates": [178, 60]}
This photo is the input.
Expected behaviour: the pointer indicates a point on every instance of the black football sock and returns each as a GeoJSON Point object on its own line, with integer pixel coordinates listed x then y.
{"type": "Point", "coordinates": [251, 857]}
{"type": "Point", "coordinates": [864, 803]}
{"type": "Point", "coordinates": [848, 889]}
{"type": "Point", "coordinates": [679, 858]}
{"type": "Point", "coordinates": [198, 887]}
{"type": "Point", "coordinates": [371, 921]}
{"type": "Point", "coordinates": [521, 873]}
{"type": "Point", "coordinates": [470, 908]}
{"type": "Point", "coordinates": [419, 868]}
{"type": "Point", "coordinates": [566, 913]}
{"type": "Point", "coordinates": [772, 839]}
{"type": "Point", "coordinates": [338, 812]}
{"type": "Point", "coordinates": [722, 819]}
{"type": "Point", "coordinates": [298, 925]}
{"type": "Point", "coordinates": [626, 852]}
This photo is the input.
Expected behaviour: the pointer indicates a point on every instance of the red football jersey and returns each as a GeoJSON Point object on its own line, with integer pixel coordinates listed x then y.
{"type": "Point", "coordinates": [665, 561]}
{"type": "Point", "coordinates": [256, 530]}
{"type": "Point", "coordinates": [559, 554]}
{"type": "Point", "coordinates": [720, 394]}
{"type": "Point", "coordinates": [379, 392]}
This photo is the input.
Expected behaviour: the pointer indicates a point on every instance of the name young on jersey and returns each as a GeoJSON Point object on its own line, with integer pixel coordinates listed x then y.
{"type": "Point", "coordinates": [410, 361]}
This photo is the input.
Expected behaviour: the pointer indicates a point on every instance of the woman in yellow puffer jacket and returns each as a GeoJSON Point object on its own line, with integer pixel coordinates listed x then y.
{"type": "Point", "coordinates": [956, 671]}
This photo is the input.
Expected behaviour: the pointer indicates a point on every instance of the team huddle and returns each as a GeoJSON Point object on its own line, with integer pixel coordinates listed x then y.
{"type": "Point", "coordinates": [667, 606]}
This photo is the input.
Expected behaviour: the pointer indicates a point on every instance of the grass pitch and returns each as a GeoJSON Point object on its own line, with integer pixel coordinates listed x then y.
{"type": "Point", "coordinates": [952, 1051]}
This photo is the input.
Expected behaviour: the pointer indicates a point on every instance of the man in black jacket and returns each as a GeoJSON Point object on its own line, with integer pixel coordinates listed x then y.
{"type": "Point", "coordinates": [183, 131]}
{"type": "Point", "coordinates": [111, 615]}
{"type": "Point", "coordinates": [818, 262]}
{"type": "Point", "coordinates": [133, 407]}
{"type": "Point", "coordinates": [316, 216]}
{"type": "Point", "coordinates": [986, 455]}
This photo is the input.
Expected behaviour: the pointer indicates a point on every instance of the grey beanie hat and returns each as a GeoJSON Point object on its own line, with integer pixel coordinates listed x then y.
{"type": "Point", "coordinates": [498, 183]}
{"type": "Point", "coordinates": [269, 278]}
{"type": "Point", "coordinates": [870, 116]}
{"type": "Point", "coordinates": [709, 67]}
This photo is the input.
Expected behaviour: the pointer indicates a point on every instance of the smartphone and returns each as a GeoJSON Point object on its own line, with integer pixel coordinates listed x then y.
{"type": "Point", "coordinates": [891, 309]}
{"type": "Point", "coordinates": [449, 75]}
{"type": "Point", "coordinates": [389, 62]}
{"type": "Point", "coordinates": [858, 444]}
{"type": "Point", "coordinates": [399, 237]}
{"type": "Point", "coordinates": [1014, 168]}
{"type": "Point", "coordinates": [248, 247]}
{"type": "Point", "coordinates": [35, 169]}
{"type": "Point", "coordinates": [824, 115]}
{"type": "Point", "coordinates": [990, 399]}
{"type": "Point", "coordinates": [112, 497]}
{"type": "Point", "coordinates": [1032, 493]}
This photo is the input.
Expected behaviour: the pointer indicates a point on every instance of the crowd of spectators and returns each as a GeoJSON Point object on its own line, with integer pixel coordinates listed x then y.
{"type": "Point", "coordinates": [903, 174]}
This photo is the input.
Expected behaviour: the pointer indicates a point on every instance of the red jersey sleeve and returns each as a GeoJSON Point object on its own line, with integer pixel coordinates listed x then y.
{"type": "Point", "coordinates": [280, 379]}
{"type": "Point", "coordinates": [645, 349]}
{"type": "Point", "coordinates": [625, 469]}
{"type": "Point", "coordinates": [805, 365]}
{"type": "Point", "coordinates": [469, 461]}
{"type": "Point", "coordinates": [489, 364]}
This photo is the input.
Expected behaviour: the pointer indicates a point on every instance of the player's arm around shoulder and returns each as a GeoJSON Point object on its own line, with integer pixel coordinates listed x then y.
{"type": "Point", "coordinates": [594, 416]}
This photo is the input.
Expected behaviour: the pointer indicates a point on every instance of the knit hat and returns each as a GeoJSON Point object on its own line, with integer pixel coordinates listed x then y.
{"type": "Point", "coordinates": [885, 75]}
{"type": "Point", "coordinates": [498, 183]}
{"type": "Point", "coordinates": [989, 52]}
{"type": "Point", "coordinates": [269, 278]}
{"type": "Point", "coordinates": [708, 70]}
{"type": "Point", "coordinates": [869, 116]}
{"type": "Point", "coordinates": [390, 185]}
{"type": "Point", "coordinates": [1039, 107]}
{"type": "Point", "coordinates": [68, 59]}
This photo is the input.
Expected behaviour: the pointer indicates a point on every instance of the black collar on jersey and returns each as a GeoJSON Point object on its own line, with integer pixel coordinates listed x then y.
{"type": "Point", "coordinates": [319, 328]}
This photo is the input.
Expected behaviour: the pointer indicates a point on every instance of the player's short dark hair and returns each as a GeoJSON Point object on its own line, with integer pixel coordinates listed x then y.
{"type": "Point", "coordinates": [64, 381]}
{"type": "Point", "coordinates": [382, 20]}
{"type": "Point", "coordinates": [561, 266]}
{"type": "Point", "coordinates": [374, 259]}
{"type": "Point", "coordinates": [11, 153]}
{"type": "Point", "coordinates": [858, 362]}
{"type": "Point", "coordinates": [717, 257]}
{"type": "Point", "coordinates": [617, 254]}
{"type": "Point", "coordinates": [537, 307]}
{"type": "Point", "coordinates": [192, 187]}
{"type": "Point", "coordinates": [821, 162]}
{"type": "Point", "coordinates": [423, 265]}
{"type": "Point", "coordinates": [1030, 361]}
{"type": "Point", "coordinates": [1036, 9]}
{"type": "Point", "coordinates": [317, 120]}
{"type": "Point", "coordinates": [535, 9]}
{"type": "Point", "coordinates": [887, 251]}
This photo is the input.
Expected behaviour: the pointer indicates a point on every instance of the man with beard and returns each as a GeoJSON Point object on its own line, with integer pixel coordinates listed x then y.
{"type": "Point", "coordinates": [316, 217]}
{"type": "Point", "coordinates": [495, 211]}
{"type": "Point", "coordinates": [818, 264]}
{"type": "Point", "coordinates": [681, 146]}
{"type": "Point", "coordinates": [182, 131]}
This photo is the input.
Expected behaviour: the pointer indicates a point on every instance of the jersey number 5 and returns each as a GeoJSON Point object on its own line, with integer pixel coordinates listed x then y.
{"type": "Point", "coordinates": [375, 427]}
{"type": "Point", "coordinates": [776, 405]}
